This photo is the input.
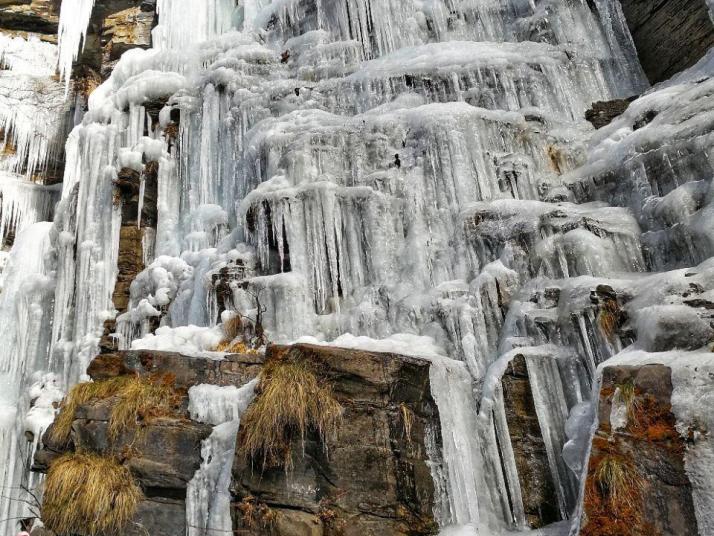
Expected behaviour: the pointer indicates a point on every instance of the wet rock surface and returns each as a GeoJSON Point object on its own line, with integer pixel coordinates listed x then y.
{"type": "Point", "coordinates": [603, 113]}
{"type": "Point", "coordinates": [531, 457]}
{"type": "Point", "coordinates": [636, 480]}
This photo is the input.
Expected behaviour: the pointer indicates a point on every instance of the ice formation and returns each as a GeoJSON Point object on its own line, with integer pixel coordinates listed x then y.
{"type": "Point", "coordinates": [208, 496]}
{"type": "Point", "coordinates": [397, 175]}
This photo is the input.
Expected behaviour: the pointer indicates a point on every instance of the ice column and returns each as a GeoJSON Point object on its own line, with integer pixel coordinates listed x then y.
{"type": "Point", "coordinates": [25, 306]}
{"type": "Point", "coordinates": [208, 496]}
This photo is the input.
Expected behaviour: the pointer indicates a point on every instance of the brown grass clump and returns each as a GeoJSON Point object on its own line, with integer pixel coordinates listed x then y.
{"type": "Point", "coordinates": [143, 398]}
{"type": "Point", "coordinates": [555, 155]}
{"type": "Point", "coordinates": [256, 515]}
{"type": "Point", "coordinates": [629, 395]}
{"type": "Point", "coordinates": [613, 499]}
{"type": "Point", "coordinates": [81, 394]}
{"type": "Point", "coordinates": [234, 342]}
{"type": "Point", "coordinates": [138, 398]}
{"type": "Point", "coordinates": [407, 419]}
{"type": "Point", "coordinates": [620, 482]}
{"type": "Point", "coordinates": [331, 518]}
{"type": "Point", "coordinates": [233, 327]}
{"type": "Point", "coordinates": [290, 403]}
{"type": "Point", "coordinates": [609, 317]}
{"type": "Point", "coordinates": [90, 495]}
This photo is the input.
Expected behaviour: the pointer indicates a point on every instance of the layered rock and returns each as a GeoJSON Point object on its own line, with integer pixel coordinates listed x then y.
{"type": "Point", "coordinates": [163, 454]}
{"type": "Point", "coordinates": [531, 457]}
{"type": "Point", "coordinates": [670, 35]}
{"type": "Point", "coordinates": [375, 479]}
{"type": "Point", "coordinates": [637, 483]}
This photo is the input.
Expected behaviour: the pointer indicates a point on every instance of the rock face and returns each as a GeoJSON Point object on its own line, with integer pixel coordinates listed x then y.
{"type": "Point", "coordinates": [670, 35]}
{"type": "Point", "coordinates": [166, 453]}
{"type": "Point", "coordinates": [603, 112]}
{"type": "Point", "coordinates": [636, 468]}
{"type": "Point", "coordinates": [115, 27]}
{"type": "Point", "coordinates": [31, 16]}
{"type": "Point", "coordinates": [536, 483]}
{"type": "Point", "coordinates": [374, 481]}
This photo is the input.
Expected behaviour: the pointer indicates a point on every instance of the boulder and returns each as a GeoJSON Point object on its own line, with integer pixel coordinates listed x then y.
{"type": "Point", "coordinates": [374, 479]}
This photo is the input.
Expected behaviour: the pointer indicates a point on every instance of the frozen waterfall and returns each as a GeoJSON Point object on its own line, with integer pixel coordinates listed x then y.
{"type": "Point", "coordinates": [396, 175]}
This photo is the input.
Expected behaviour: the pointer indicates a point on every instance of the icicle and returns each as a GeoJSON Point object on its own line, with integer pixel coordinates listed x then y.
{"type": "Point", "coordinates": [208, 495]}
{"type": "Point", "coordinates": [25, 307]}
{"type": "Point", "coordinates": [72, 33]}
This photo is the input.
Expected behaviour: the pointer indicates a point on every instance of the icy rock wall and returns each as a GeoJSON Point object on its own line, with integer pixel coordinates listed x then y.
{"type": "Point", "coordinates": [33, 123]}
{"type": "Point", "coordinates": [364, 170]}
{"type": "Point", "coordinates": [34, 119]}
{"type": "Point", "coordinates": [335, 166]}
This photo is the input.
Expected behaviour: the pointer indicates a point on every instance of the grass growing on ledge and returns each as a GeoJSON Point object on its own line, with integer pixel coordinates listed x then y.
{"type": "Point", "coordinates": [235, 347]}
{"type": "Point", "coordinates": [614, 498]}
{"type": "Point", "coordinates": [90, 495]}
{"type": "Point", "coordinates": [138, 397]}
{"type": "Point", "coordinates": [609, 318]}
{"type": "Point", "coordinates": [628, 392]}
{"type": "Point", "coordinates": [290, 402]}
{"type": "Point", "coordinates": [619, 481]}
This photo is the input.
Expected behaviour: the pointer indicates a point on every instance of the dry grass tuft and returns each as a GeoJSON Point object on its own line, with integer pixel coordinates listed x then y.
{"type": "Point", "coordinates": [556, 157]}
{"type": "Point", "coordinates": [233, 327]}
{"type": "Point", "coordinates": [620, 482]}
{"type": "Point", "coordinates": [331, 518]}
{"type": "Point", "coordinates": [407, 419]}
{"type": "Point", "coordinates": [290, 403]}
{"type": "Point", "coordinates": [141, 399]}
{"type": "Point", "coordinates": [138, 398]}
{"type": "Point", "coordinates": [81, 394]}
{"type": "Point", "coordinates": [234, 342]}
{"type": "Point", "coordinates": [608, 317]}
{"type": "Point", "coordinates": [256, 515]}
{"type": "Point", "coordinates": [236, 347]}
{"type": "Point", "coordinates": [628, 392]}
{"type": "Point", "coordinates": [90, 495]}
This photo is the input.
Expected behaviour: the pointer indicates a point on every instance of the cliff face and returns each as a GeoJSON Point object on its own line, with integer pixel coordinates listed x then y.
{"type": "Point", "coordinates": [670, 35]}
{"type": "Point", "coordinates": [398, 178]}
{"type": "Point", "coordinates": [374, 479]}
{"type": "Point", "coordinates": [636, 479]}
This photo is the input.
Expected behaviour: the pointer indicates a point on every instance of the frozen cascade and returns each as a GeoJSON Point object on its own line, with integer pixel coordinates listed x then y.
{"type": "Point", "coordinates": [390, 175]}
{"type": "Point", "coordinates": [25, 314]}
{"type": "Point", "coordinates": [208, 497]}
{"type": "Point", "coordinates": [33, 107]}
{"type": "Point", "coordinates": [24, 203]}
{"type": "Point", "coordinates": [71, 34]}
{"type": "Point", "coordinates": [367, 224]}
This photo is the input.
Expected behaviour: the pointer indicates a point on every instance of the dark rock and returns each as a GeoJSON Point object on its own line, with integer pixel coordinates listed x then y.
{"type": "Point", "coordinates": [376, 474]}
{"type": "Point", "coordinates": [375, 480]}
{"type": "Point", "coordinates": [115, 27]}
{"type": "Point", "coordinates": [159, 517]}
{"type": "Point", "coordinates": [670, 35]}
{"type": "Point", "coordinates": [536, 482]}
{"type": "Point", "coordinates": [673, 327]}
{"type": "Point", "coordinates": [235, 369]}
{"type": "Point", "coordinates": [603, 113]}
{"type": "Point", "coordinates": [130, 263]}
{"type": "Point", "coordinates": [33, 16]}
{"type": "Point", "coordinates": [649, 450]}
